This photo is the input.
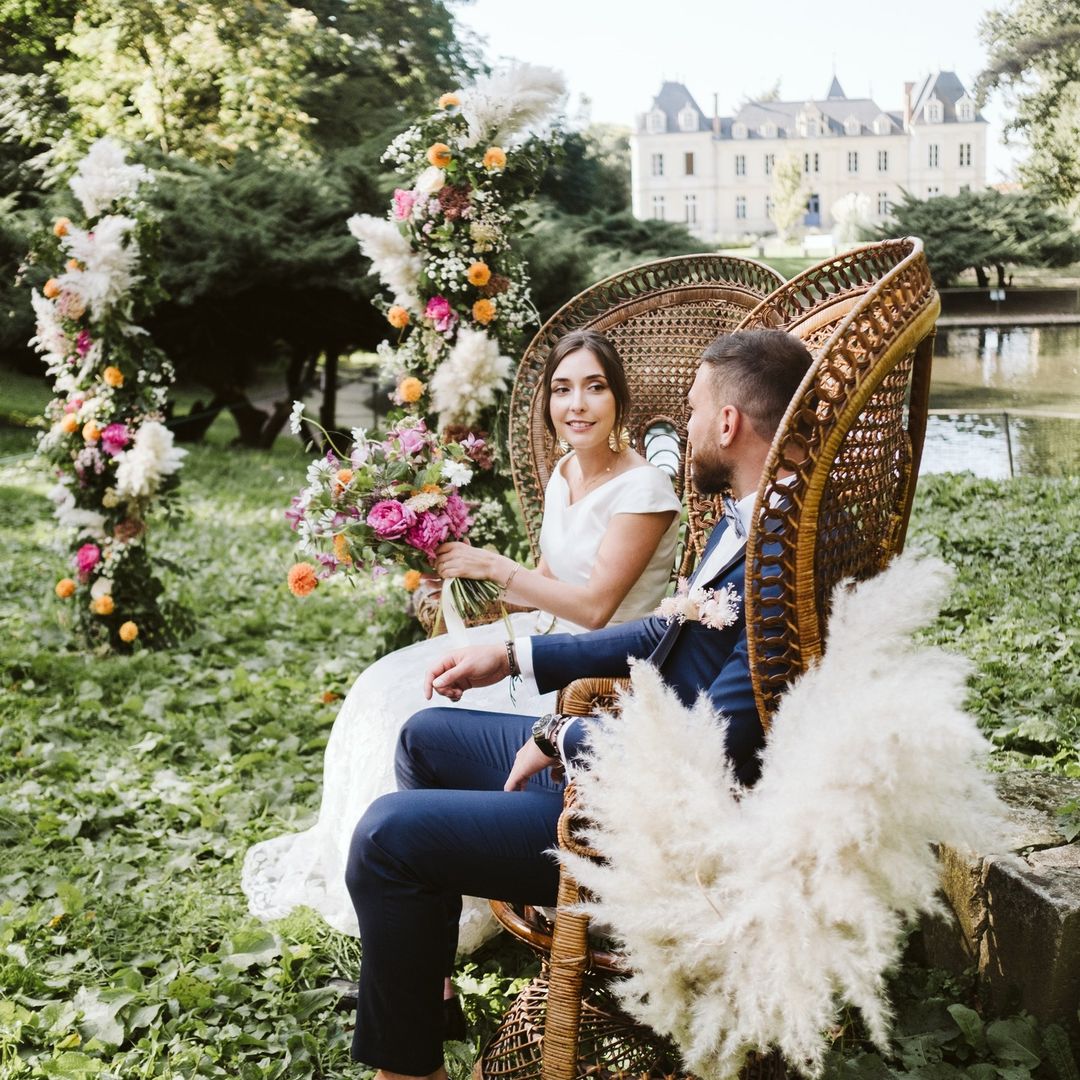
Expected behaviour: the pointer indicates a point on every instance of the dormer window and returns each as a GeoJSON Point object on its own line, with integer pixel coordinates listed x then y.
{"type": "Point", "coordinates": [768, 131]}
{"type": "Point", "coordinates": [852, 126]}
{"type": "Point", "coordinates": [965, 110]}
{"type": "Point", "coordinates": [808, 122]}
{"type": "Point", "coordinates": [933, 111]}
{"type": "Point", "coordinates": [656, 122]}
{"type": "Point", "coordinates": [688, 118]}
{"type": "Point", "coordinates": [882, 125]}
{"type": "Point", "coordinates": [738, 130]}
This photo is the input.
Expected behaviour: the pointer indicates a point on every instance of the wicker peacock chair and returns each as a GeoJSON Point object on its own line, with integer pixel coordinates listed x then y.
{"type": "Point", "coordinates": [852, 438]}
{"type": "Point", "coordinates": [660, 316]}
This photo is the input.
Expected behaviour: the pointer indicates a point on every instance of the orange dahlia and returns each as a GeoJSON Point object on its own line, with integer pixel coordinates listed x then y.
{"type": "Point", "coordinates": [411, 581]}
{"type": "Point", "coordinates": [91, 432]}
{"type": "Point", "coordinates": [129, 632]}
{"type": "Point", "coordinates": [439, 155]}
{"type": "Point", "coordinates": [61, 226]}
{"type": "Point", "coordinates": [398, 317]}
{"type": "Point", "coordinates": [65, 588]}
{"type": "Point", "coordinates": [478, 274]}
{"type": "Point", "coordinates": [51, 288]}
{"type": "Point", "coordinates": [103, 605]}
{"type": "Point", "coordinates": [113, 377]}
{"type": "Point", "coordinates": [483, 311]}
{"type": "Point", "coordinates": [494, 158]}
{"type": "Point", "coordinates": [410, 389]}
{"type": "Point", "coordinates": [302, 579]}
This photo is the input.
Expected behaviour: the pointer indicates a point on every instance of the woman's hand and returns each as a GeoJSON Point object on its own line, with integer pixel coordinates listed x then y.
{"type": "Point", "coordinates": [459, 560]}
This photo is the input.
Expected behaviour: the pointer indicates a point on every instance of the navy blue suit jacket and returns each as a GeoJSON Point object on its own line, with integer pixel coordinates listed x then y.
{"type": "Point", "coordinates": [691, 657]}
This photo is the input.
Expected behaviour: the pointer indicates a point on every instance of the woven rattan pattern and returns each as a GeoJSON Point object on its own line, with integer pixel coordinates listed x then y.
{"type": "Point", "coordinates": [853, 455]}
{"type": "Point", "coordinates": [660, 317]}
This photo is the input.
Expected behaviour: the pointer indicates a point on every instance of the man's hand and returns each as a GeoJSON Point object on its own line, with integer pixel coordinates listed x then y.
{"type": "Point", "coordinates": [529, 761]}
{"type": "Point", "coordinates": [474, 665]}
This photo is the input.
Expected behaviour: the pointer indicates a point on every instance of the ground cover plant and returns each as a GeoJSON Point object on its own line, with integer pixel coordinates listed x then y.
{"type": "Point", "coordinates": [130, 786]}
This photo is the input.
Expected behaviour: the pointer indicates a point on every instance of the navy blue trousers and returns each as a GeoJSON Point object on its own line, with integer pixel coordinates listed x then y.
{"type": "Point", "coordinates": [450, 831]}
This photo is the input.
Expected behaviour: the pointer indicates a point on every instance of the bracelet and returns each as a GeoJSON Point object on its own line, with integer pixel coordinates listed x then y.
{"type": "Point", "coordinates": [510, 577]}
{"type": "Point", "coordinates": [555, 729]}
{"type": "Point", "coordinates": [511, 660]}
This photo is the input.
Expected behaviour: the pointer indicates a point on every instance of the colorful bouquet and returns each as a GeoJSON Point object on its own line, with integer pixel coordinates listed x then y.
{"type": "Point", "coordinates": [459, 295]}
{"type": "Point", "coordinates": [386, 502]}
{"type": "Point", "coordinates": [107, 445]}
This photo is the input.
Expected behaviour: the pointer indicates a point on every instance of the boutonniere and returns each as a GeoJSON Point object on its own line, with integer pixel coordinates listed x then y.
{"type": "Point", "coordinates": [716, 608]}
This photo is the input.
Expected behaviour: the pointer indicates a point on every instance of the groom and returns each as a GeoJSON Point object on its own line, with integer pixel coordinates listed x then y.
{"type": "Point", "coordinates": [478, 805]}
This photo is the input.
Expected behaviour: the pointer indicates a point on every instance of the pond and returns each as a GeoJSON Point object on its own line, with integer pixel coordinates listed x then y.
{"type": "Point", "coordinates": [1005, 401]}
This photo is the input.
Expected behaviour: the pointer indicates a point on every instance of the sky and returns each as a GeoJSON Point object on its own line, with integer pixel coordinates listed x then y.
{"type": "Point", "coordinates": [616, 53]}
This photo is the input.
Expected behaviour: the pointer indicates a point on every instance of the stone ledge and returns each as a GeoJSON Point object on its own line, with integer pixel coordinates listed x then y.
{"type": "Point", "coordinates": [1016, 917]}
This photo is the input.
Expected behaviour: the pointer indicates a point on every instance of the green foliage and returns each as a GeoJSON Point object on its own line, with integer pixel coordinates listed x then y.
{"type": "Point", "coordinates": [1034, 58]}
{"type": "Point", "coordinates": [985, 228]}
{"type": "Point", "coordinates": [1016, 549]}
{"type": "Point", "coordinates": [591, 172]}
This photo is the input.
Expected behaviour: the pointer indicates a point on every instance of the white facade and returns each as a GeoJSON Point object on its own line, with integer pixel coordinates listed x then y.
{"type": "Point", "coordinates": [715, 175]}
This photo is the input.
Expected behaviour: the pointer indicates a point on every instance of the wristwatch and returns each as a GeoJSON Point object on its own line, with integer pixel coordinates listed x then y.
{"type": "Point", "coordinates": [540, 734]}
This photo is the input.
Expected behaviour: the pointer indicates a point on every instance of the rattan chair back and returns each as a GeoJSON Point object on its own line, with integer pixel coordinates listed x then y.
{"type": "Point", "coordinates": [660, 316]}
{"type": "Point", "coordinates": [851, 440]}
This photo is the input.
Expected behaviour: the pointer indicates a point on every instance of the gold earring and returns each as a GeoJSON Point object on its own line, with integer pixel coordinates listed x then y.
{"type": "Point", "coordinates": [620, 442]}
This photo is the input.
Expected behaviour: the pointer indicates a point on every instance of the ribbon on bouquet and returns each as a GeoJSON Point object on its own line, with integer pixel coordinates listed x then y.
{"type": "Point", "coordinates": [451, 616]}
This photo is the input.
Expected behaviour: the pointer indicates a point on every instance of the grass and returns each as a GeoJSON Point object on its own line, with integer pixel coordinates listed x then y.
{"type": "Point", "coordinates": [130, 787]}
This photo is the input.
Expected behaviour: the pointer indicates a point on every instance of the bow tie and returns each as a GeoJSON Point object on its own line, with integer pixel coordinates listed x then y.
{"type": "Point", "coordinates": [731, 512]}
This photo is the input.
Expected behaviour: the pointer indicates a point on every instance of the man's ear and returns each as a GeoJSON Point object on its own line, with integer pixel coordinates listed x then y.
{"type": "Point", "coordinates": [730, 422]}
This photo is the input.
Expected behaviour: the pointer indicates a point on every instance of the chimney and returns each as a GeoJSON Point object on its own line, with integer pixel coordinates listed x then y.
{"type": "Point", "coordinates": [716, 114]}
{"type": "Point", "coordinates": [908, 87]}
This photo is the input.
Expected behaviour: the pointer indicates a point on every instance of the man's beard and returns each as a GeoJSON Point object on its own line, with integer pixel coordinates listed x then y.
{"type": "Point", "coordinates": [711, 477]}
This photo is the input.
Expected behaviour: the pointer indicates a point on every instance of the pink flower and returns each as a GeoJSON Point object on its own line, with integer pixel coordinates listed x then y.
{"type": "Point", "coordinates": [114, 438]}
{"type": "Point", "coordinates": [74, 404]}
{"type": "Point", "coordinates": [83, 343]}
{"type": "Point", "coordinates": [403, 204]}
{"type": "Point", "coordinates": [86, 558]}
{"type": "Point", "coordinates": [441, 314]}
{"type": "Point", "coordinates": [431, 530]}
{"type": "Point", "coordinates": [457, 510]}
{"type": "Point", "coordinates": [390, 519]}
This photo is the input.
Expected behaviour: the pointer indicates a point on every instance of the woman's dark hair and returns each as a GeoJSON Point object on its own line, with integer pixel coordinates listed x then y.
{"type": "Point", "coordinates": [609, 360]}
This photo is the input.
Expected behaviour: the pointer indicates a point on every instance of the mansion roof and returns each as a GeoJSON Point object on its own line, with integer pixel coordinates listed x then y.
{"type": "Point", "coordinates": [835, 114]}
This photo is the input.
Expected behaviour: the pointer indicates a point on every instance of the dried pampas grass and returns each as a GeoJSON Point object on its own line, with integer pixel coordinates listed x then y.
{"type": "Point", "coordinates": [751, 918]}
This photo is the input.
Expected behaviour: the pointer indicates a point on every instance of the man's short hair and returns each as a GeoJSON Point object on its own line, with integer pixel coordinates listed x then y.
{"type": "Point", "coordinates": [761, 370]}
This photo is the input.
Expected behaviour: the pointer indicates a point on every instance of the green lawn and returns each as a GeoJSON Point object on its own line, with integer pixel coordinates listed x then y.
{"type": "Point", "coordinates": [130, 787]}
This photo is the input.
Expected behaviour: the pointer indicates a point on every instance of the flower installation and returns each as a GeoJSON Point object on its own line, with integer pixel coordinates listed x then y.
{"type": "Point", "coordinates": [107, 444]}
{"type": "Point", "coordinates": [459, 294]}
{"type": "Point", "coordinates": [385, 503]}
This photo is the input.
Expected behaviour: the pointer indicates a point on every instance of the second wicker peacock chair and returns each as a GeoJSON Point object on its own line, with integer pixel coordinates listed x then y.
{"type": "Point", "coordinates": [850, 444]}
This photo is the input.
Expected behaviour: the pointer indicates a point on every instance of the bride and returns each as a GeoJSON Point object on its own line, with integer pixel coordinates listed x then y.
{"type": "Point", "coordinates": [607, 544]}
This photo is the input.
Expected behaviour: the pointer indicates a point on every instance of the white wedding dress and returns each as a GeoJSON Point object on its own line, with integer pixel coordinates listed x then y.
{"type": "Point", "coordinates": [308, 868]}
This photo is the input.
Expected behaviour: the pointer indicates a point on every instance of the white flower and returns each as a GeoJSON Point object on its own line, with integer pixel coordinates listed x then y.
{"type": "Point", "coordinates": [507, 104]}
{"type": "Point", "coordinates": [103, 176]}
{"type": "Point", "coordinates": [467, 381]}
{"type": "Point", "coordinates": [425, 500]}
{"type": "Point", "coordinates": [457, 473]}
{"type": "Point", "coordinates": [50, 337]}
{"type": "Point", "coordinates": [294, 417]}
{"type": "Point", "coordinates": [714, 608]}
{"type": "Point", "coordinates": [391, 255]}
{"type": "Point", "coordinates": [109, 255]}
{"type": "Point", "coordinates": [85, 522]}
{"type": "Point", "coordinates": [430, 180]}
{"type": "Point", "coordinates": [151, 457]}
{"type": "Point", "coordinates": [102, 587]}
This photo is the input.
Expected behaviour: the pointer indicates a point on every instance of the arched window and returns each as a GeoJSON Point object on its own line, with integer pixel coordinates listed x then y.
{"type": "Point", "coordinates": [656, 122]}
{"type": "Point", "coordinates": [965, 110]}
{"type": "Point", "coordinates": [688, 118]}
{"type": "Point", "coordinates": [933, 111]}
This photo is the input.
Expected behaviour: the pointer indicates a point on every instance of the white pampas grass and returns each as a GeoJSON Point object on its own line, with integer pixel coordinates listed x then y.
{"type": "Point", "coordinates": [109, 255]}
{"type": "Point", "coordinates": [749, 918]}
{"type": "Point", "coordinates": [151, 457]}
{"type": "Point", "coordinates": [505, 106]}
{"type": "Point", "coordinates": [103, 176]}
{"type": "Point", "coordinates": [391, 255]}
{"type": "Point", "coordinates": [467, 381]}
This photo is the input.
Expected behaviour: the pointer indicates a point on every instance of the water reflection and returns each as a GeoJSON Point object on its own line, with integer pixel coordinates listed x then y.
{"type": "Point", "coordinates": [1006, 401]}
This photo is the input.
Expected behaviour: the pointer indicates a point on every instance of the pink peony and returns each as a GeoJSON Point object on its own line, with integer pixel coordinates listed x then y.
{"type": "Point", "coordinates": [431, 530]}
{"type": "Point", "coordinates": [403, 204]}
{"type": "Point", "coordinates": [114, 438]}
{"type": "Point", "coordinates": [441, 314]}
{"type": "Point", "coordinates": [457, 510]}
{"type": "Point", "coordinates": [413, 440]}
{"type": "Point", "coordinates": [391, 519]}
{"type": "Point", "coordinates": [86, 558]}
{"type": "Point", "coordinates": [83, 343]}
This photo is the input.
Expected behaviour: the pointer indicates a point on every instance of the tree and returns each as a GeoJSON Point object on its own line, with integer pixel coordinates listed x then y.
{"type": "Point", "coordinates": [1034, 58]}
{"type": "Point", "coordinates": [788, 197]}
{"type": "Point", "coordinates": [980, 230]}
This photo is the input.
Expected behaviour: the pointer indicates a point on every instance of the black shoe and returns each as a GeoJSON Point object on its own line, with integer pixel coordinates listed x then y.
{"type": "Point", "coordinates": [454, 1029]}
